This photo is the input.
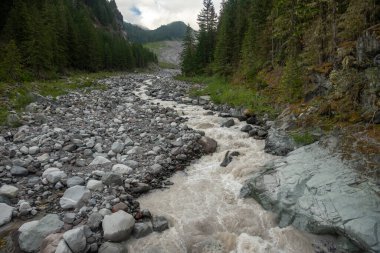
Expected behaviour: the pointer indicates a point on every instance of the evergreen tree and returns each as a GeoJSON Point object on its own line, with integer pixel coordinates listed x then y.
{"type": "Point", "coordinates": [207, 21]}
{"type": "Point", "coordinates": [188, 53]}
{"type": "Point", "coordinates": [10, 65]}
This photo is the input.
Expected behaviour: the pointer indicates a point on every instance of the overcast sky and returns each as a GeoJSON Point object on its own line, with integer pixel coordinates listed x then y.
{"type": "Point", "coordinates": [154, 13]}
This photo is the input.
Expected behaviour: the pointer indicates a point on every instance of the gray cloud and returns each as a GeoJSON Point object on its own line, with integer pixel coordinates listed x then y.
{"type": "Point", "coordinates": [154, 13]}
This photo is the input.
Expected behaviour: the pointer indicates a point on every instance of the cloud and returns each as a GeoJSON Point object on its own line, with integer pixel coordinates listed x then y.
{"type": "Point", "coordinates": [154, 13]}
{"type": "Point", "coordinates": [135, 11]}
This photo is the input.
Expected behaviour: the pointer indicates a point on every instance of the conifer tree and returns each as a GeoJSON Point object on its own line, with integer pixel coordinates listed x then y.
{"type": "Point", "coordinates": [207, 21]}
{"type": "Point", "coordinates": [188, 53]}
{"type": "Point", "coordinates": [10, 65]}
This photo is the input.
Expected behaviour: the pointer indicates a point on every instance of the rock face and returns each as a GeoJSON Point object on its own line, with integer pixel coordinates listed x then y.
{"type": "Point", "coordinates": [209, 145]}
{"type": "Point", "coordinates": [75, 197]}
{"type": "Point", "coordinates": [117, 227]}
{"type": "Point", "coordinates": [33, 233]}
{"type": "Point", "coordinates": [5, 214]}
{"type": "Point", "coordinates": [278, 143]}
{"type": "Point", "coordinates": [314, 191]}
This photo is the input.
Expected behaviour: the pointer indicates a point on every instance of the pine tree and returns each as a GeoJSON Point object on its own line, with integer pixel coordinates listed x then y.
{"type": "Point", "coordinates": [188, 56]}
{"type": "Point", "coordinates": [10, 65]}
{"type": "Point", "coordinates": [207, 21]}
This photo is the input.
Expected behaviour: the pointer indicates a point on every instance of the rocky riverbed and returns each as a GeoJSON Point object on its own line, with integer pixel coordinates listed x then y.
{"type": "Point", "coordinates": [86, 155]}
{"type": "Point", "coordinates": [72, 174]}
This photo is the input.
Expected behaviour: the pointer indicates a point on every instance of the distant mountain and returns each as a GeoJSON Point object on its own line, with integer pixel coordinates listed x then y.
{"type": "Point", "coordinates": [172, 31]}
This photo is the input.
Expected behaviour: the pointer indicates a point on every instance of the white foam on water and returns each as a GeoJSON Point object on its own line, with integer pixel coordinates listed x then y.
{"type": "Point", "coordinates": [203, 206]}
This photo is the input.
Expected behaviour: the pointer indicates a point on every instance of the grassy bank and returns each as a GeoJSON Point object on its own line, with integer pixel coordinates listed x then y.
{"type": "Point", "coordinates": [222, 91]}
{"type": "Point", "coordinates": [16, 96]}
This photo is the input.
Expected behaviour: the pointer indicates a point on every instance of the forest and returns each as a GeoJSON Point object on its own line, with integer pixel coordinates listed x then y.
{"type": "Point", "coordinates": [41, 39]}
{"type": "Point", "coordinates": [280, 43]}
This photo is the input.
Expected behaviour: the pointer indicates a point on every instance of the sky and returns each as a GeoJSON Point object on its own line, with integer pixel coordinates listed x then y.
{"type": "Point", "coordinates": [154, 13]}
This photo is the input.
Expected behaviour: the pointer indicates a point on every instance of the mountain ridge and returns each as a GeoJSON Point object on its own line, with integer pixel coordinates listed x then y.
{"type": "Point", "coordinates": [172, 31]}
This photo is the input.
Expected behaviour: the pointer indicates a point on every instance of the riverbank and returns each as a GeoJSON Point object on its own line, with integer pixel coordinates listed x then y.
{"type": "Point", "coordinates": [108, 147]}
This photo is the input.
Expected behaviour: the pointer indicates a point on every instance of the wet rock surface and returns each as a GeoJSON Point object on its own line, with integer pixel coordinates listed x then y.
{"type": "Point", "coordinates": [314, 190]}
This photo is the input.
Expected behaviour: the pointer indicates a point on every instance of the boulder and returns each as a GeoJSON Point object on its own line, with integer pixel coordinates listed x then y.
{"type": "Point", "coordinates": [19, 171]}
{"type": "Point", "coordinates": [246, 128]}
{"type": "Point", "coordinates": [117, 147]}
{"type": "Point", "coordinates": [63, 247]}
{"type": "Point", "coordinates": [73, 181]}
{"type": "Point", "coordinates": [228, 158]}
{"type": "Point", "coordinates": [33, 233]}
{"type": "Point", "coordinates": [209, 145]}
{"type": "Point", "coordinates": [8, 191]}
{"type": "Point", "coordinates": [99, 160]}
{"type": "Point", "coordinates": [111, 179]}
{"type": "Point", "coordinates": [94, 185]}
{"type": "Point", "coordinates": [43, 158]}
{"type": "Point", "coordinates": [94, 221]}
{"type": "Point", "coordinates": [50, 243]}
{"type": "Point", "coordinates": [313, 190]}
{"type": "Point", "coordinates": [228, 123]}
{"type": "Point", "coordinates": [160, 223]}
{"type": "Point", "coordinates": [5, 214]}
{"type": "Point", "coordinates": [279, 143]}
{"type": "Point", "coordinates": [75, 197]}
{"type": "Point", "coordinates": [118, 226]}
{"type": "Point", "coordinates": [142, 229]}
{"type": "Point", "coordinates": [54, 175]}
{"type": "Point", "coordinates": [75, 239]}
{"type": "Point", "coordinates": [122, 169]}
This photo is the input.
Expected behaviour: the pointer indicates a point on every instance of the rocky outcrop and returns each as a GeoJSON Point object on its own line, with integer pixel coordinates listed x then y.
{"type": "Point", "coordinates": [314, 190]}
{"type": "Point", "coordinates": [279, 143]}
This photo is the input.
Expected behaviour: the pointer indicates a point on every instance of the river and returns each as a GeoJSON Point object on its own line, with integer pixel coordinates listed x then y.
{"type": "Point", "coordinates": [203, 206]}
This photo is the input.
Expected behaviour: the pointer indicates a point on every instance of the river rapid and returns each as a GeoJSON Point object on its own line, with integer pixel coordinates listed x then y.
{"type": "Point", "coordinates": [203, 206]}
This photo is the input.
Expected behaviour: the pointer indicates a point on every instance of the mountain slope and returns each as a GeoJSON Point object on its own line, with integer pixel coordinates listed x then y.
{"type": "Point", "coordinates": [172, 31]}
{"type": "Point", "coordinates": [40, 39]}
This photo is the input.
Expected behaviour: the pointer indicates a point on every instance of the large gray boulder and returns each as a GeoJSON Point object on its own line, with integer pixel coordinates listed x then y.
{"type": "Point", "coordinates": [5, 213]}
{"type": "Point", "coordinates": [118, 226]}
{"type": "Point", "coordinates": [314, 190]}
{"type": "Point", "coordinates": [8, 191]}
{"type": "Point", "coordinates": [54, 175]}
{"type": "Point", "coordinates": [76, 239]}
{"type": "Point", "coordinates": [75, 197]}
{"type": "Point", "coordinates": [19, 171]}
{"type": "Point", "coordinates": [209, 145]}
{"type": "Point", "coordinates": [63, 247]}
{"type": "Point", "coordinates": [112, 179]}
{"type": "Point", "coordinates": [279, 143]}
{"type": "Point", "coordinates": [33, 233]}
{"type": "Point", "coordinates": [122, 169]}
{"type": "Point", "coordinates": [99, 160]}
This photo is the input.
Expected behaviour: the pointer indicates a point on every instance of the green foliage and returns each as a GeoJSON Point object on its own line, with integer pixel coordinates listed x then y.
{"type": "Point", "coordinates": [303, 138]}
{"type": "Point", "coordinates": [17, 97]}
{"type": "Point", "coordinates": [46, 38]}
{"type": "Point", "coordinates": [291, 81]}
{"type": "Point", "coordinates": [206, 37]}
{"type": "Point", "coordinates": [222, 91]}
{"type": "Point", "coordinates": [288, 37]}
{"type": "Point", "coordinates": [188, 53]}
{"type": "Point", "coordinates": [10, 65]}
